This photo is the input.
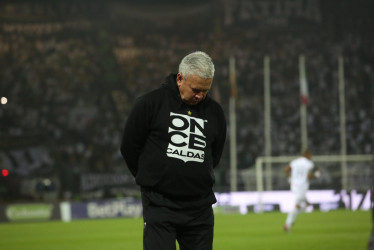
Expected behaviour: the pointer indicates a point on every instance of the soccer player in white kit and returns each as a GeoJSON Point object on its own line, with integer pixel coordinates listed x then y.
{"type": "Point", "coordinates": [300, 171]}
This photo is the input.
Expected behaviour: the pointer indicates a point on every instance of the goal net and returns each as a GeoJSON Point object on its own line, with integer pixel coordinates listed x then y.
{"type": "Point", "coordinates": [345, 179]}
{"type": "Point", "coordinates": [349, 172]}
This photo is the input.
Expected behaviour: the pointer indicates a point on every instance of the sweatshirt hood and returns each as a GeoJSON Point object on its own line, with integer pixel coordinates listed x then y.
{"type": "Point", "coordinates": [171, 84]}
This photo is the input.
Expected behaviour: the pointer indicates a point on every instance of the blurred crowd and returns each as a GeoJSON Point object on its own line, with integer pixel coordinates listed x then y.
{"type": "Point", "coordinates": [74, 82]}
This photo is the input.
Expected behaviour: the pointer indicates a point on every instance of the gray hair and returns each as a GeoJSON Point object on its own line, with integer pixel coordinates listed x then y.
{"type": "Point", "coordinates": [197, 63]}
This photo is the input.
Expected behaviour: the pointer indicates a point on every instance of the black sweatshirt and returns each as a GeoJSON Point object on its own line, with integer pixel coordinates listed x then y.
{"type": "Point", "coordinates": [171, 148]}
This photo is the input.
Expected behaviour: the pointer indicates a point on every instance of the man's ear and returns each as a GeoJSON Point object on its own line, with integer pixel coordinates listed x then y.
{"type": "Point", "coordinates": [179, 79]}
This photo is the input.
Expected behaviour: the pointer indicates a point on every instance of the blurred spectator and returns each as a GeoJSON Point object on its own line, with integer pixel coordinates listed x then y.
{"type": "Point", "coordinates": [73, 76]}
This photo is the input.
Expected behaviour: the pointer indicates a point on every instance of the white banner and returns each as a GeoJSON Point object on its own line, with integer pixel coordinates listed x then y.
{"type": "Point", "coordinates": [324, 200]}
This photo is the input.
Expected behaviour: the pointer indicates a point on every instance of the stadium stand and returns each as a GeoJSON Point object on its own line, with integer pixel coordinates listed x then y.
{"type": "Point", "coordinates": [72, 70]}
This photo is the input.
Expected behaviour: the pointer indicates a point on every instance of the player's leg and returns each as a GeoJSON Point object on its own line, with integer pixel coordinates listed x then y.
{"type": "Point", "coordinates": [291, 217]}
{"type": "Point", "coordinates": [197, 232]}
{"type": "Point", "coordinates": [303, 205]}
{"type": "Point", "coordinates": [158, 233]}
{"type": "Point", "coordinates": [300, 198]}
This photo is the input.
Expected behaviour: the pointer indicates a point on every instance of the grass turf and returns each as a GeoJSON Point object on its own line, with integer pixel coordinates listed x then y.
{"type": "Point", "coordinates": [318, 230]}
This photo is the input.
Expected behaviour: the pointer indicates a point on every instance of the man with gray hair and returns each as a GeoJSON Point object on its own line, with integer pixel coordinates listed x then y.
{"type": "Point", "coordinates": [172, 141]}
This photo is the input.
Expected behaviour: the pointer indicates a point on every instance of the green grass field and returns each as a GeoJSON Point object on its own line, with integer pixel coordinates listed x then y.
{"type": "Point", "coordinates": [338, 230]}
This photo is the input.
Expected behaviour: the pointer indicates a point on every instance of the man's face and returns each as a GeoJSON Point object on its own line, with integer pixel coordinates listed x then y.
{"type": "Point", "coordinates": [193, 89]}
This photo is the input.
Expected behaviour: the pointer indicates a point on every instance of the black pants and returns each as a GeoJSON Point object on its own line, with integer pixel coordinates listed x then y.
{"type": "Point", "coordinates": [163, 226]}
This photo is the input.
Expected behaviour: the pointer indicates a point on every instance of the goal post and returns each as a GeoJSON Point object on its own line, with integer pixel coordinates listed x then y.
{"type": "Point", "coordinates": [318, 159]}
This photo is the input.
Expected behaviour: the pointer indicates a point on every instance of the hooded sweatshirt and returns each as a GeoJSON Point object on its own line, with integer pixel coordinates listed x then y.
{"type": "Point", "coordinates": [170, 147]}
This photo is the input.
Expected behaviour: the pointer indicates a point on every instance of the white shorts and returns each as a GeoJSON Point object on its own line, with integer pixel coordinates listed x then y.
{"type": "Point", "coordinates": [300, 193]}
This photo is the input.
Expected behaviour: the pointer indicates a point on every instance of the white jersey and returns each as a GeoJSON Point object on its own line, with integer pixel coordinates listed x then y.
{"type": "Point", "coordinates": [300, 168]}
